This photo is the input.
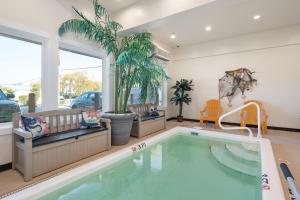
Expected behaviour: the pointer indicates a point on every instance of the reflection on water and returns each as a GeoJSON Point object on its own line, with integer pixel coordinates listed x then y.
{"type": "Point", "coordinates": [138, 161]}
{"type": "Point", "coordinates": [156, 157]}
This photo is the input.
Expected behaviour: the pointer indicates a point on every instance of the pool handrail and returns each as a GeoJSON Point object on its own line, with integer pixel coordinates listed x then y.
{"type": "Point", "coordinates": [242, 128]}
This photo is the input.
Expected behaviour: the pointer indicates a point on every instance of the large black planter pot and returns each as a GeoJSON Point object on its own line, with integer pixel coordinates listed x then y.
{"type": "Point", "coordinates": [121, 125]}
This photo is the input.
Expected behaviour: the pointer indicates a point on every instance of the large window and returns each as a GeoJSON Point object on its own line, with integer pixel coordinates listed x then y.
{"type": "Point", "coordinates": [80, 80]}
{"type": "Point", "coordinates": [20, 74]}
{"type": "Point", "coordinates": [154, 96]}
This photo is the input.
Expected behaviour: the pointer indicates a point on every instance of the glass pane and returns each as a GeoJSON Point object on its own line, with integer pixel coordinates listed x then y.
{"type": "Point", "coordinates": [20, 65]}
{"type": "Point", "coordinates": [154, 97]}
{"type": "Point", "coordinates": [135, 95]}
{"type": "Point", "coordinates": [80, 79]}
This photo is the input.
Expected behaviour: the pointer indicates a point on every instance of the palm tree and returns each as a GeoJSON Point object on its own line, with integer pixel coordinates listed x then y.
{"type": "Point", "coordinates": [180, 95]}
{"type": "Point", "coordinates": [134, 63]}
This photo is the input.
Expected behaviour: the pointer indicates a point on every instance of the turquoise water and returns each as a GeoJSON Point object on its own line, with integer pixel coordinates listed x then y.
{"type": "Point", "coordinates": [179, 168]}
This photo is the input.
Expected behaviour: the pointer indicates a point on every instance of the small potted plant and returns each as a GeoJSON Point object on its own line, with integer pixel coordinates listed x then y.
{"type": "Point", "coordinates": [181, 96]}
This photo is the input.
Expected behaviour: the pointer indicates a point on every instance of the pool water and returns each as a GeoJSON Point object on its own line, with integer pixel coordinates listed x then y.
{"type": "Point", "coordinates": [181, 167]}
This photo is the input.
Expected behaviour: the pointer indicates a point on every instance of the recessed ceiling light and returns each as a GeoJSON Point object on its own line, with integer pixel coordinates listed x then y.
{"type": "Point", "coordinates": [256, 17]}
{"type": "Point", "coordinates": [208, 28]}
{"type": "Point", "coordinates": [173, 36]}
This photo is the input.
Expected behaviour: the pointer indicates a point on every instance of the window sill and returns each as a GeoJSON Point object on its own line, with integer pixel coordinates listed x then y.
{"type": "Point", "coordinates": [5, 128]}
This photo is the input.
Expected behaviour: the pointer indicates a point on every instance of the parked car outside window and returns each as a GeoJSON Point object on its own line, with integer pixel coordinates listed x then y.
{"type": "Point", "coordinates": [86, 100]}
{"type": "Point", "coordinates": [7, 108]}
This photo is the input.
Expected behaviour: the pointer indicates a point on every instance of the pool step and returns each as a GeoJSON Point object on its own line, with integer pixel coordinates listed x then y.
{"type": "Point", "coordinates": [243, 153]}
{"type": "Point", "coordinates": [226, 158]}
{"type": "Point", "coordinates": [251, 147]}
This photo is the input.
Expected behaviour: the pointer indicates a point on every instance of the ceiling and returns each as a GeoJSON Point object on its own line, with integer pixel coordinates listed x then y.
{"type": "Point", "coordinates": [227, 18]}
{"type": "Point", "coordinates": [116, 5]}
{"type": "Point", "coordinates": [86, 5]}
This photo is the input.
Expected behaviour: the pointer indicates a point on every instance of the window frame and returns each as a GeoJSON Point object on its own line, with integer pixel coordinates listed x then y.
{"type": "Point", "coordinates": [50, 46]}
{"type": "Point", "coordinates": [82, 49]}
{"type": "Point", "coordinates": [26, 36]}
{"type": "Point", "coordinates": [85, 50]}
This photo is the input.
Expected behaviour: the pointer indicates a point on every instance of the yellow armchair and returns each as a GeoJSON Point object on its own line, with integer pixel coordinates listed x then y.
{"type": "Point", "coordinates": [248, 116]}
{"type": "Point", "coordinates": [211, 112]}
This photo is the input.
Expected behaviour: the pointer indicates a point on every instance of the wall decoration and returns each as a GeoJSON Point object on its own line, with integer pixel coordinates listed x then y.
{"type": "Point", "coordinates": [235, 82]}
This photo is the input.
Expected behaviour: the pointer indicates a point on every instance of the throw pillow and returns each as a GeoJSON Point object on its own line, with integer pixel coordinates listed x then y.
{"type": "Point", "coordinates": [153, 112]}
{"type": "Point", "coordinates": [36, 125]}
{"type": "Point", "coordinates": [90, 119]}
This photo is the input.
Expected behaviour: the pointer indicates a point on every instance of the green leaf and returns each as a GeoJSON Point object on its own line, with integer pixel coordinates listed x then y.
{"type": "Point", "coordinates": [134, 61]}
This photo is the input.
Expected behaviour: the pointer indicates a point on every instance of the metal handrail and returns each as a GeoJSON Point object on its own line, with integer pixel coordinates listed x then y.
{"type": "Point", "coordinates": [242, 128]}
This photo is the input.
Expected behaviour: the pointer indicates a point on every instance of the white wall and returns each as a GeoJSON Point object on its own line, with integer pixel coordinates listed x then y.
{"type": "Point", "coordinates": [273, 55]}
{"type": "Point", "coordinates": [38, 15]}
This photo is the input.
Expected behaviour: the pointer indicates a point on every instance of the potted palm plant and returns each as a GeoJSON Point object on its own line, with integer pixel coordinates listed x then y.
{"type": "Point", "coordinates": [180, 96]}
{"type": "Point", "coordinates": [133, 62]}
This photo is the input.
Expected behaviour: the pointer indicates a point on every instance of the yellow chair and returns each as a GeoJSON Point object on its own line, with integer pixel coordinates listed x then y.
{"type": "Point", "coordinates": [211, 112]}
{"type": "Point", "coordinates": [249, 116]}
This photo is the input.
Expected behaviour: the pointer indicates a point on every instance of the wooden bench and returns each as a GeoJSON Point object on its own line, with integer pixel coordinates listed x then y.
{"type": "Point", "coordinates": [145, 124]}
{"type": "Point", "coordinates": [67, 143]}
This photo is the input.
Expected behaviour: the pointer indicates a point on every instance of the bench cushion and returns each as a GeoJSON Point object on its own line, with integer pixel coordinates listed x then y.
{"type": "Point", "coordinates": [65, 135]}
{"type": "Point", "coordinates": [148, 117]}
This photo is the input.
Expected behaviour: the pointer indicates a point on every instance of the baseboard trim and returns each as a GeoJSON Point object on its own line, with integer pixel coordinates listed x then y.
{"type": "Point", "coordinates": [171, 118]}
{"type": "Point", "coordinates": [5, 167]}
{"type": "Point", "coordinates": [238, 124]}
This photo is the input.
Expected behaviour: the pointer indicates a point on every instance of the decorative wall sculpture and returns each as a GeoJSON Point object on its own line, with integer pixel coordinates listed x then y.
{"type": "Point", "coordinates": [235, 82]}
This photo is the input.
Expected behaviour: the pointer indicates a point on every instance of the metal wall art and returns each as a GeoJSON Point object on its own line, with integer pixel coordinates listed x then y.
{"type": "Point", "coordinates": [235, 82]}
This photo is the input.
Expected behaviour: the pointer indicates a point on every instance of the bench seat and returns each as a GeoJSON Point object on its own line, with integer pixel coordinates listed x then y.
{"type": "Point", "coordinates": [147, 117]}
{"type": "Point", "coordinates": [65, 135]}
{"type": "Point", "coordinates": [146, 124]}
{"type": "Point", "coordinates": [67, 142]}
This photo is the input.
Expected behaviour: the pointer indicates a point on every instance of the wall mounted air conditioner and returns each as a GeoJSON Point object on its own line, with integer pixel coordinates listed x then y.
{"type": "Point", "coordinates": [161, 54]}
